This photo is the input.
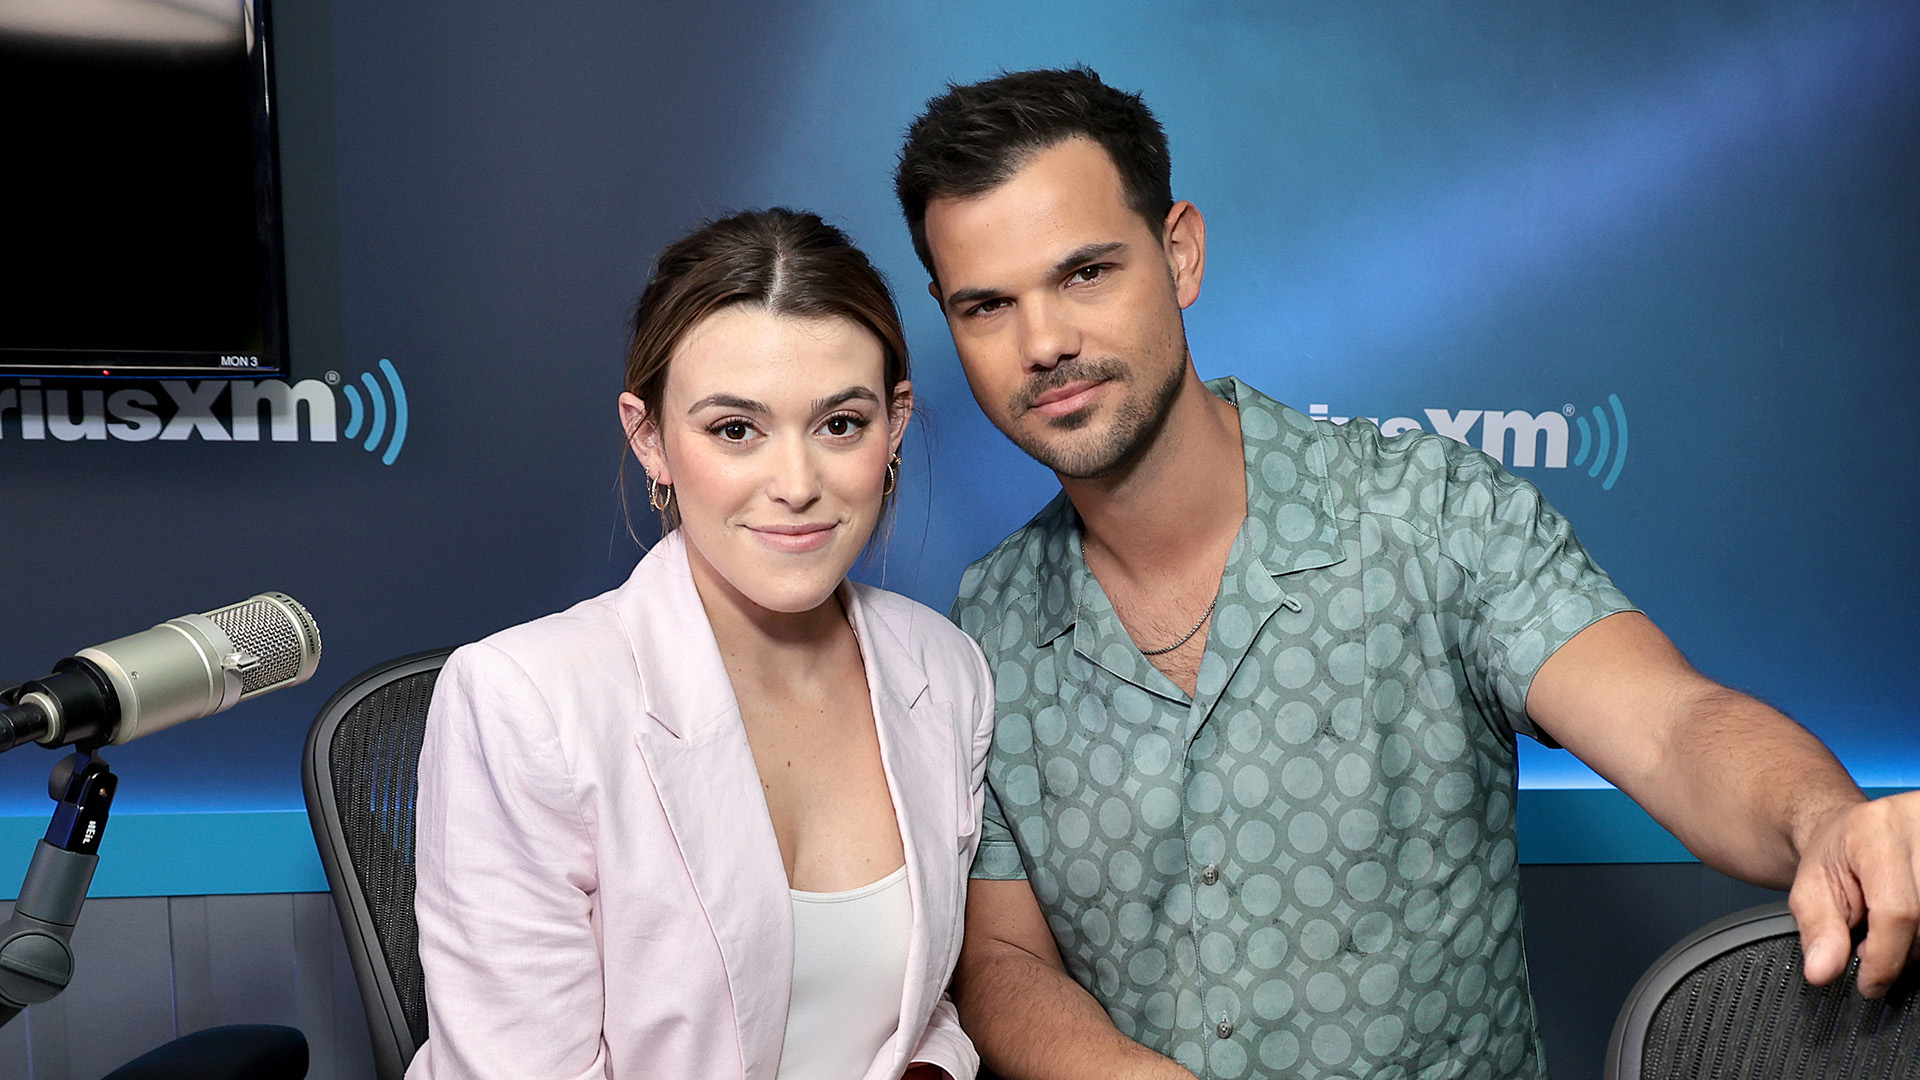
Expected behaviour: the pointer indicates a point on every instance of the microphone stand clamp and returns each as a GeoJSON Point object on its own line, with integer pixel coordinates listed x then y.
{"type": "Point", "coordinates": [36, 961]}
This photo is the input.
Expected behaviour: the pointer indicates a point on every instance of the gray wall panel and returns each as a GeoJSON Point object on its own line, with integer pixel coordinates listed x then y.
{"type": "Point", "coordinates": [192, 978]}
{"type": "Point", "coordinates": [250, 953]}
{"type": "Point", "coordinates": [13, 1048]}
{"type": "Point", "coordinates": [46, 1025]}
{"type": "Point", "coordinates": [353, 1053]}
{"type": "Point", "coordinates": [120, 1003]}
{"type": "Point", "coordinates": [329, 1002]}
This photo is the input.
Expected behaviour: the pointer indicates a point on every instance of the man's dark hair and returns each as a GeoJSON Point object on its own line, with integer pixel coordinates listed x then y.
{"type": "Point", "coordinates": [972, 139]}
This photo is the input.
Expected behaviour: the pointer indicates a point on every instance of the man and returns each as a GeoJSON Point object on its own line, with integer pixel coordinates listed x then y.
{"type": "Point", "coordinates": [1251, 798]}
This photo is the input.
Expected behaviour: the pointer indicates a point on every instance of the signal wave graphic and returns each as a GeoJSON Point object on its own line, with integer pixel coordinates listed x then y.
{"type": "Point", "coordinates": [1609, 442]}
{"type": "Point", "coordinates": [377, 405]}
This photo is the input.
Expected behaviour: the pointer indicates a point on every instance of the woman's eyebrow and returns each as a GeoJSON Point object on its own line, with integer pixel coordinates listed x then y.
{"type": "Point", "coordinates": [851, 393]}
{"type": "Point", "coordinates": [728, 401]}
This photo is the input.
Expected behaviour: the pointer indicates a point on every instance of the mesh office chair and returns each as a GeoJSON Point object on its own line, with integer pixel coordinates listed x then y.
{"type": "Point", "coordinates": [1730, 1001]}
{"type": "Point", "coordinates": [359, 777]}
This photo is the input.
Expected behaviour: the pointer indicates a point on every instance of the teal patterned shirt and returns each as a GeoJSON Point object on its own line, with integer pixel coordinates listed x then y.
{"type": "Point", "coordinates": [1309, 867]}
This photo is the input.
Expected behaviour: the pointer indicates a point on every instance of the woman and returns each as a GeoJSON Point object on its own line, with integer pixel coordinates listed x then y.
{"type": "Point", "coordinates": [717, 822]}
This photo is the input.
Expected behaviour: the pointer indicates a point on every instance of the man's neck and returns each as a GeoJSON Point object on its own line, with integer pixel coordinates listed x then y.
{"type": "Point", "coordinates": [1175, 502]}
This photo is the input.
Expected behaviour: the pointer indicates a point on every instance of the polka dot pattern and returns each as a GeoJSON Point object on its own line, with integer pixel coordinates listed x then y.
{"type": "Point", "coordinates": [1309, 866]}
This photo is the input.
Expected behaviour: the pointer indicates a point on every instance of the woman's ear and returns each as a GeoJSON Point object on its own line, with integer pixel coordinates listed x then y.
{"type": "Point", "coordinates": [643, 438]}
{"type": "Point", "coordinates": [899, 411]}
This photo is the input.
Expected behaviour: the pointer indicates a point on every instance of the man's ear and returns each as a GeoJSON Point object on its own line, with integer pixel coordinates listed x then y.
{"type": "Point", "coordinates": [933, 290]}
{"type": "Point", "coordinates": [1184, 238]}
{"type": "Point", "coordinates": [643, 438]}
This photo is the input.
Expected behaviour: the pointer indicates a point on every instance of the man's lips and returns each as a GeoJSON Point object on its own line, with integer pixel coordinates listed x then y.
{"type": "Point", "coordinates": [805, 536]}
{"type": "Point", "coordinates": [1062, 400]}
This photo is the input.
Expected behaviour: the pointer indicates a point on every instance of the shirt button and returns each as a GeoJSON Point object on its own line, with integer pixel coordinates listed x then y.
{"type": "Point", "coordinates": [1207, 877]}
{"type": "Point", "coordinates": [1225, 1030]}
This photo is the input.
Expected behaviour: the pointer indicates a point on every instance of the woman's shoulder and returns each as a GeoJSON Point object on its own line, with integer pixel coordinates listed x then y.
{"type": "Point", "coordinates": [929, 637]}
{"type": "Point", "coordinates": [555, 647]}
{"type": "Point", "coordinates": [588, 635]}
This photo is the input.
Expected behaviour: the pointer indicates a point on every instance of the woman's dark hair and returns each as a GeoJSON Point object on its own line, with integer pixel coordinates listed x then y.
{"type": "Point", "coordinates": [788, 262]}
{"type": "Point", "coordinates": [972, 139]}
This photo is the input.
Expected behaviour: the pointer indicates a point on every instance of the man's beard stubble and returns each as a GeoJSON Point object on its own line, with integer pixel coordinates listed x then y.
{"type": "Point", "coordinates": [1135, 424]}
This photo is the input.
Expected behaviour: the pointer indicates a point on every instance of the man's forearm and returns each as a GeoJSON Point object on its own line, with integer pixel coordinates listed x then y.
{"type": "Point", "coordinates": [1030, 1021]}
{"type": "Point", "coordinates": [1744, 787]}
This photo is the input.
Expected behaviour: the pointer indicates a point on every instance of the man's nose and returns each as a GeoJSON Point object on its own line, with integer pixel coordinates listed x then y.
{"type": "Point", "coordinates": [1048, 335]}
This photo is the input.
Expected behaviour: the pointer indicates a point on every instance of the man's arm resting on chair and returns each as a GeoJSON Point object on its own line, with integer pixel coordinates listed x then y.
{"type": "Point", "coordinates": [1026, 1015]}
{"type": "Point", "coordinates": [1745, 788]}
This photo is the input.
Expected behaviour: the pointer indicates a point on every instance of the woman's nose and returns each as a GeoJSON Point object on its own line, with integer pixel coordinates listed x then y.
{"type": "Point", "coordinates": [794, 478]}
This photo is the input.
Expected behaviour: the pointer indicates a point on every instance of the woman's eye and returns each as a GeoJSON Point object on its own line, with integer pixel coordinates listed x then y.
{"type": "Point", "coordinates": [734, 431]}
{"type": "Point", "coordinates": [842, 425]}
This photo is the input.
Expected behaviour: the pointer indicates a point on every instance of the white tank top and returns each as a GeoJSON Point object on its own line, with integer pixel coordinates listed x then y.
{"type": "Point", "coordinates": [849, 971]}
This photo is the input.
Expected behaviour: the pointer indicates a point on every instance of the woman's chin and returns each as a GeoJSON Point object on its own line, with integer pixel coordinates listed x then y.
{"type": "Point", "coordinates": [788, 586]}
{"type": "Point", "coordinates": [790, 597]}
{"type": "Point", "coordinates": [785, 583]}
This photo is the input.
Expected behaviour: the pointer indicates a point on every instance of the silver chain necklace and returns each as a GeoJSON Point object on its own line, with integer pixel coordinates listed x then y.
{"type": "Point", "coordinates": [1184, 638]}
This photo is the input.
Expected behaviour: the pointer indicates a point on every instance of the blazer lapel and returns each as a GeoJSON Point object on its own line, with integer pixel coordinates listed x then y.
{"type": "Point", "coordinates": [702, 768]}
{"type": "Point", "coordinates": [917, 747]}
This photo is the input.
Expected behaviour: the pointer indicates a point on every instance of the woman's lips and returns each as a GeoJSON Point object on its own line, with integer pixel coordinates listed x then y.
{"type": "Point", "coordinates": [795, 538]}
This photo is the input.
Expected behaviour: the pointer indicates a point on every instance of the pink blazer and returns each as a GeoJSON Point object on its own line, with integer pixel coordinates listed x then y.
{"type": "Point", "coordinates": [600, 893]}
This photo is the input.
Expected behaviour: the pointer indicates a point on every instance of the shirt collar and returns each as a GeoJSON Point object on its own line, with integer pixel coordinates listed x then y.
{"type": "Point", "coordinates": [1290, 523]}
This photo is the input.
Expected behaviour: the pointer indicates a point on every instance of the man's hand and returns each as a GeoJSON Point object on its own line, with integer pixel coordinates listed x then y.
{"type": "Point", "coordinates": [1750, 792]}
{"type": "Point", "coordinates": [1861, 862]}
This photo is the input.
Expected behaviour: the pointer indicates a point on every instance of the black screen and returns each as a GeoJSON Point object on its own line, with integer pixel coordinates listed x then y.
{"type": "Point", "coordinates": [140, 201]}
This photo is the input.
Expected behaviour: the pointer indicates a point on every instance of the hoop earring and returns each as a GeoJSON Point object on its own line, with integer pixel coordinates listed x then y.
{"type": "Point", "coordinates": [893, 475]}
{"type": "Point", "coordinates": [655, 498]}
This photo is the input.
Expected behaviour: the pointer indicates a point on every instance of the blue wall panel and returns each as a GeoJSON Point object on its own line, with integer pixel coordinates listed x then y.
{"type": "Point", "coordinates": [1693, 223]}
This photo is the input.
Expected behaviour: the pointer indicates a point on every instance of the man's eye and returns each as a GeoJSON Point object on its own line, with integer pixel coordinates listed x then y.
{"type": "Point", "coordinates": [987, 307]}
{"type": "Point", "coordinates": [1089, 273]}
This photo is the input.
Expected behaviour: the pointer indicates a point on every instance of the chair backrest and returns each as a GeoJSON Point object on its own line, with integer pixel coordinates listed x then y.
{"type": "Point", "coordinates": [359, 776]}
{"type": "Point", "coordinates": [1731, 1001]}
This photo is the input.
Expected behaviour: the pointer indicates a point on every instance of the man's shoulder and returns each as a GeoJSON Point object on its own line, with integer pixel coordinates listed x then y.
{"type": "Point", "coordinates": [1009, 577]}
{"type": "Point", "coordinates": [1412, 475]}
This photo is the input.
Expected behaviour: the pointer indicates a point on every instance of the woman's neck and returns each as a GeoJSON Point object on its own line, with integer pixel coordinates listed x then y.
{"type": "Point", "coordinates": [766, 646]}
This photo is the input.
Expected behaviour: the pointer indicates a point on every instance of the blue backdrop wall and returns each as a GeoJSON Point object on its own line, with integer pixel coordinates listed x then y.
{"type": "Point", "coordinates": [1683, 239]}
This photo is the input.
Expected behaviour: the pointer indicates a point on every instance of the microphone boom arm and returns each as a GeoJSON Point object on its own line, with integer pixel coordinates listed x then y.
{"type": "Point", "coordinates": [36, 961]}
{"type": "Point", "coordinates": [183, 669]}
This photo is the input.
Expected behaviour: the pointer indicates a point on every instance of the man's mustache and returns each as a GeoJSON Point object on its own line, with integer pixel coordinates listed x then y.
{"type": "Point", "coordinates": [1108, 369]}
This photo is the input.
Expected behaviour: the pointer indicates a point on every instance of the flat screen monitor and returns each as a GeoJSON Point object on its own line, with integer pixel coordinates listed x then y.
{"type": "Point", "coordinates": [140, 192]}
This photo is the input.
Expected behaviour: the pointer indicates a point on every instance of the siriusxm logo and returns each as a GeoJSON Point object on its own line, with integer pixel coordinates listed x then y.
{"type": "Point", "coordinates": [1541, 439]}
{"type": "Point", "coordinates": [213, 410]}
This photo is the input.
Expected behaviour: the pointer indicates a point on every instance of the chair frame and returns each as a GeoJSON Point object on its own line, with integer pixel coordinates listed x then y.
{"type": "Point", "coordinates": [1626, 1048]}
{"type": "Point", "coordinates": [393, 1044]}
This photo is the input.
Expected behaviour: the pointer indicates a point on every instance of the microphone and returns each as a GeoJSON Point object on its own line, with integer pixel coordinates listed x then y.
{"type": "Point", "coordinates": [183, 669]}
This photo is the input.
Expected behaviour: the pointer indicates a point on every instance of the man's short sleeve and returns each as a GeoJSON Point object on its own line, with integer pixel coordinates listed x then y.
{"type": "Point", "coordinates": [1534, 587]}
{"type": "Point", "coordinates": [999, 857]}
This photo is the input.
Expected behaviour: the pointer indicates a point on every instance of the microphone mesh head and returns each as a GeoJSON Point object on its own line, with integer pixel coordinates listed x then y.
{"type": "Point", "coordinates": [275, 628]}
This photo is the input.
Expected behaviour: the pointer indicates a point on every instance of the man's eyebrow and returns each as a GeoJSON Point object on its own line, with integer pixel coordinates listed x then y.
{"type": "Point", "coordinates": [1090, 253]}
{"type": "Point", "coordinates": [973, 296]}
{"type": "Point", "coordinates": [1074, 260]}
{"type": "Point", "coordinates": [851, 393]}
{"type": "Point", "coordinates": [728, 401]}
